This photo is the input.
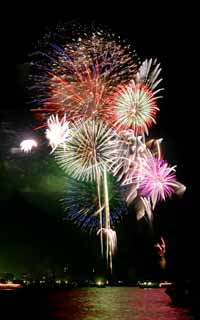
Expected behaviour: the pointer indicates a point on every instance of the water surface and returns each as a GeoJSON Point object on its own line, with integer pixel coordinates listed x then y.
{"type": "Point", "coordinates": [114, 303]}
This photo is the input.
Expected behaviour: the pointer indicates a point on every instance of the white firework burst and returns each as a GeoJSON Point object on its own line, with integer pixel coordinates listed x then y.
{"type": "Point", "coordinates": [91, 147]}
{"type": "Point", "coordinates": [27, 145]}
{"type": "Point", "coordinates": [57, 131]}
{"type": "Point", "coordinates": [148, 74]}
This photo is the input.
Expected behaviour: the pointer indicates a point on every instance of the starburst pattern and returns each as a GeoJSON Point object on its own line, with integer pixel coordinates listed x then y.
{"type": "Point", "coordinates": [135, 107]}
{"type": "Point", "coordinates": [92, 146]}
{"type": "Point", "coordinates": [77, 79]}
{"type": "Point", "coordinates": [80, 203]}
{"type": "Point", "coordinates": [156, 180]}
{"type": "Point", "coordinates": [57, 131]}
{"type": "Point", "coordinates": [148, 74]}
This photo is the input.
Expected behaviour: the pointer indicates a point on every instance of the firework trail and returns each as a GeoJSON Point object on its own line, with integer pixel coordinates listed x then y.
{"type": "Point", "coordinates": [107, 215]}
{"type": "Point", "coordinates": [161, 247]}
{"type": "Point", "coordinates": [111, 244]}
{"type": "Point", "coordinates": [112, 238]}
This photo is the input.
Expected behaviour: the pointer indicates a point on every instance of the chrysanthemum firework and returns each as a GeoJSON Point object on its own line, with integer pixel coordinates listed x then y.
{"type": "Point", "coordinates": [91, 147]}
{"type": "Point", "coordinates": [135, 107]}
{"type": "Point", "coordinates": [78, 78]}
{"type": "Point", "coordinates": [81, 204]}
{"type": "Point", "coordinates": [134, 103]}
{"type": "Point", "coordinates": [157, 180]}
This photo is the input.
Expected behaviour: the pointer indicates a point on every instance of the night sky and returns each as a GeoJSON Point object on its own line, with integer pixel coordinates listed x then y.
{"type": "Point", "coordinates": [33, 236]}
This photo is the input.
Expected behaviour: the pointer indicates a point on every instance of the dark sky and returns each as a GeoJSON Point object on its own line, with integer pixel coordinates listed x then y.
{"type": "Point", "coordinates": [29, 234]}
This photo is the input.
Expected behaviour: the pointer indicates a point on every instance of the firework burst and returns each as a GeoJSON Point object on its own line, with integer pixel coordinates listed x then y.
{"type": "Point", "coordinates": [78, 78]}
{"type": "Point", "coordinates": [134, 152]}
{"type": "Point", "coordinates": [131, 151]}
{"type": "Point", "coordinates": [81, 205]}
{"type": "Point", "coordinates": [92, 146]}
{"type": "Point", "coordinates": [148, 74]}
{"type": "Point", "coordinates": [135, 107]}
{"type": "Point", "coordinates": [57, 131]}
{"type": "Point", "coordinates": [156, 180]}
{"type": "Point", "coordinates": [27, 145]}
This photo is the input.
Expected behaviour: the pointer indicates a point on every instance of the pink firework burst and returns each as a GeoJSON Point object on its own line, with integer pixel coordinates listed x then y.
{"type": "Point", "coordinates": [157, 180]}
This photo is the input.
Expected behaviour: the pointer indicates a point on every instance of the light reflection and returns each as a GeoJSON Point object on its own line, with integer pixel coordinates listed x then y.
{"type": "Point", "coordinates": [114, 303]}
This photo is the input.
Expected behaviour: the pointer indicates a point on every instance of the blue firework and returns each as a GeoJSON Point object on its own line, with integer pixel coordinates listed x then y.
{"type": "Point", "coordinates": [81, 204]}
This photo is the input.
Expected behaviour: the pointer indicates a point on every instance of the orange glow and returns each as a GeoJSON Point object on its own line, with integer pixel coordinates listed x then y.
{"type": "Point", "coordinates": [10, 285]}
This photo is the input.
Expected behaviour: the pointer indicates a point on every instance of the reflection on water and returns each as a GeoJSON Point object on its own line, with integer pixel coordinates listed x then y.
{"type": "Point", "coordinates": [113, 303]}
